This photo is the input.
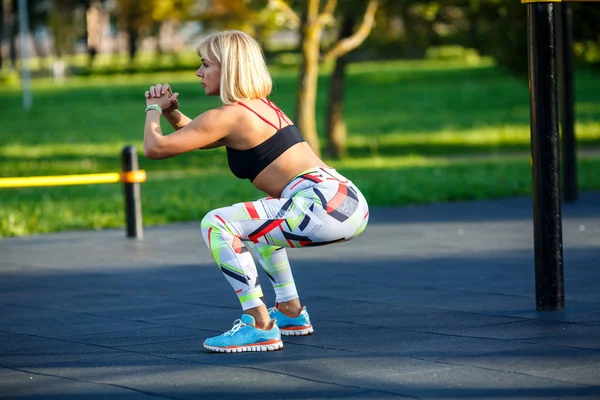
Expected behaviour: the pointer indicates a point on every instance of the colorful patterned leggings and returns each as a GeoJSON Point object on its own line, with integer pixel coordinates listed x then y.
{"type": "Point", "coordinates": [317, 207]}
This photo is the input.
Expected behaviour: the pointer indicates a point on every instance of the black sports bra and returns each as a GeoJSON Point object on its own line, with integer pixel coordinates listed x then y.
{"type": "Point", "coordinates": [247, 164]}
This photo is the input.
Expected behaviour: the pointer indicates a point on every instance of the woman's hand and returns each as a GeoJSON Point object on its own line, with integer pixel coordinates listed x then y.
{"type": "Point", "coordinates": [163, 96]}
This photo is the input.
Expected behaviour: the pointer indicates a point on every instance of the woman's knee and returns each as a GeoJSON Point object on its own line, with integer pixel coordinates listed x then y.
{"type": "Point", "coordinates": [210, 220]}
{"type": "Point", "coordinates": [211, 224]}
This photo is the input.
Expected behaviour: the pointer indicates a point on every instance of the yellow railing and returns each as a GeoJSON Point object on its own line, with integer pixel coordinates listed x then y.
{"type": "Point", "coordinates": [131, 177]}
{"type": "Point", "coordinates": [86, 179]}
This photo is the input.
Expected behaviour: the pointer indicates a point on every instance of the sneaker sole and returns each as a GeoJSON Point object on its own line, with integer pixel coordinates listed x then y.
{"type": "Point", "coordinates": [252, 347]}
{"type": "Point", "coordinates": [300, 331]}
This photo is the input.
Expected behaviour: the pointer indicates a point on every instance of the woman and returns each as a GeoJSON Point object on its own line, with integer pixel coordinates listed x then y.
{"type": "Point", "coordinates": [309, 203]}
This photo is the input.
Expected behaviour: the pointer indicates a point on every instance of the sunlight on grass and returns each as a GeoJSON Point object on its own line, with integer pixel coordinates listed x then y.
{"type": "Point", "coordinates": [390, 162]}
{"type": "Point", "coordinates": [420, 65]}
{"type": "Point", "coordinates": [58, 149]}
{"type": "Point", "coordinates": [491, 135]}
{"type": "Point", "coordinates": [413, 161]}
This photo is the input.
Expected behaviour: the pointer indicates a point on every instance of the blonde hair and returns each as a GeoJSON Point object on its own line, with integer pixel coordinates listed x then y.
{"type": "Point", "coordinates": [244, 73]}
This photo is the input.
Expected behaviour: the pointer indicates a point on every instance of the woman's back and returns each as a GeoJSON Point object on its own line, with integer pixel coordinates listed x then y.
{"type": "Point", "coordinates": [262, 129]}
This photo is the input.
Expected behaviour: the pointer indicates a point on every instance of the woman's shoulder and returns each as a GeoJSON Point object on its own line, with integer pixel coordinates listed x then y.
{"type": "Point", "coordinates": [225, 118]}
{"type": "Point", "coordinates": [229, 112]}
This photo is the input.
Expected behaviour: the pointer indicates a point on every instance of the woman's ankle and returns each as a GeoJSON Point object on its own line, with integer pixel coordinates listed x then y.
{"type": "Point", "coordinates": [262, 320]}
{"type": "Point", "coordinates": [290, 308]}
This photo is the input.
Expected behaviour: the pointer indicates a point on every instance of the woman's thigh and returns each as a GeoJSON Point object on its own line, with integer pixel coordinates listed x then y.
{"type": "Point", "coordinates": [321, 214]}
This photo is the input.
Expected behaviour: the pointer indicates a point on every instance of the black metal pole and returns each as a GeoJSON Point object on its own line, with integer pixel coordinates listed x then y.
{"type": "Point", "coordinates": [567, 102]}
{"type": "Point", "coordinates": [133, 201]}
{"type": "Point", "coordinates": [547, 218]}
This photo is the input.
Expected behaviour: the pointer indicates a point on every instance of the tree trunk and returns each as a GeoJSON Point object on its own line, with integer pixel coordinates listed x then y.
{"type": "Point", "coordinates": [413, 47]}
{"type": "Point", "coordinates": [306, 97]}
{"type": "Point", "coordinates": [473, 16]}
{"type": "Point", "coordinates": [40, 51]}
{"type": "Point", "coordinates": [13, 31]}
{"type": "Point", "coordinates": [336, 126]}
{"type": "Point", "coordinates": [93, 24]}
{"type": "Point", "coordinates": [3, 32]}
{"type": "Point", "coordinates": [132, 43]}
{"type": "Point", "coordinates": [157, 33]}
{"type": "Point", "coordinates": [60, 22]}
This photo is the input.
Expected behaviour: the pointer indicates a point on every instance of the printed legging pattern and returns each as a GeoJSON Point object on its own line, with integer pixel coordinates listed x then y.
{"type": "Point", "coordinates": [317, 207]}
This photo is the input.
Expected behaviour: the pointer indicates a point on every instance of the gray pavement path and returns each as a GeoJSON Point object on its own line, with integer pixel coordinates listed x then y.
{"type": "Point", "coordinates": [432, 302]}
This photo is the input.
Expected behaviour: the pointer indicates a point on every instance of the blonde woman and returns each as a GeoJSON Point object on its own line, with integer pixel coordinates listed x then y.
{"type": "Point", "coordinates": [308, 203]}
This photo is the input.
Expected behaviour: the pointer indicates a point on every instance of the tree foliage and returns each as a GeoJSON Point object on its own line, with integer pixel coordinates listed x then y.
{"type": "Point", "coordinates": [144, 18]}
{"type": "Point", "coordinates": [253, 17]}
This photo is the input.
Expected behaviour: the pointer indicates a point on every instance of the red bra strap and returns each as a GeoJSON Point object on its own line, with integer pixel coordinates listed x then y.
{"type": "Point", "coordinates": [277, 111]}
{"type": "Point", "coordinates": [280, 114]}
{"type": "Point", "coordinates": [259, 116]}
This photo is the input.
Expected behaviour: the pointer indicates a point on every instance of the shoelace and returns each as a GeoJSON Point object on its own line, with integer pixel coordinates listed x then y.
{"type": "Point", "coordinates": [237, 324]}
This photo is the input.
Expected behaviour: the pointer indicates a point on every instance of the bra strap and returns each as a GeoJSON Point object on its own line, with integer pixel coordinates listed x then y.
{"type": "Point", "coordinates": [259, 116]}
{"type": "Point", "coordinates": [280, 114]}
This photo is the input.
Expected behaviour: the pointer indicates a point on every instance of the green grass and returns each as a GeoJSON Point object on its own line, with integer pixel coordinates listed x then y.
{"type": "Point", "coordinates": [419, 132]}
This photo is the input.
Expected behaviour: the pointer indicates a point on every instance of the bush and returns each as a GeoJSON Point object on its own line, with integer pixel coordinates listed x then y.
{"type": "Point", "coordinates": [9, 78]}
{"type": "Point", "coordinates": [456, 52]}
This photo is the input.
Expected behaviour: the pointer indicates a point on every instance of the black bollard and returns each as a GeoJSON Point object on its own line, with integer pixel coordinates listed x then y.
{"type": "Point", "coordinates": [547, 218]}
{"type": "Point", "coordinates": [133, 201]}
{"type": "Point", "coordinates": [567, 102]}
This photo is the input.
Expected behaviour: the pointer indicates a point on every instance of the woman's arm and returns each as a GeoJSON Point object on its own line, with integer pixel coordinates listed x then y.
{"type": "Point", "coordinates": [152, 132]}
{"type": "Point", "coordinates": [181, 120]}
{"type": "Point", "coordinates": [203, 132]}
{"type": "Point", "coordinates": [176, 118]}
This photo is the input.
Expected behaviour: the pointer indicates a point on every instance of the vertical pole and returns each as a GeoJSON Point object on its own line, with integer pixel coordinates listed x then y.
{"type": "Point", "coordinates": [547, 219]}
{"type": "Point", "coordinates": [567, 102]}
{"type": "Point", "coordinates": [133, 201]}
{"type": "Point", "coordinates": [24, 34]}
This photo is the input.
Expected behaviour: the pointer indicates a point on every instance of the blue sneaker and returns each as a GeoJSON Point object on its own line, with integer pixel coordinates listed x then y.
{"type": "Point", "coordinates": [244, 336]}
{"type": "Point", "coordinates": [292, 326]}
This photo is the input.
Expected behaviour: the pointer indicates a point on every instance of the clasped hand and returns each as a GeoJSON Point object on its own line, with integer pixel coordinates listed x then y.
{"type": "Point", "coordinates": [163, 96]}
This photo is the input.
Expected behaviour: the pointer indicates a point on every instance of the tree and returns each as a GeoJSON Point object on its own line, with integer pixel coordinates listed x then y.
{"type": "Point", "coordinates": [3, 22]}
{"type": "Point", "coordinates": [335, 126]}
{"type": "Point", "coordinates": [10, 29]}
{"type": "Point", "coordinates": [61, 19]}
{"type": "Point", "coordinates": [499, 29]}
{"type": "Point", "coordinates": [133, 16]}
{"type": "Point", "coordinates": [585, 33]}
{"type": "Point", "coordinates": [93, 21]}
{"type": "Point", "coordinates": [247, 16]}
{"type": "Point", "coordinates": [312, 21]}
{"type": "Point", "coordinates": [9, 25]}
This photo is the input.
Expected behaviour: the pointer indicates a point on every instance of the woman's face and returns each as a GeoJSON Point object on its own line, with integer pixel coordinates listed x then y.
{"type": "Point", "coordinates": [210, 73]}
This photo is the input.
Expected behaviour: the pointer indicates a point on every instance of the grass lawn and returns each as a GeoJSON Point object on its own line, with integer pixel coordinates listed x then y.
{"type": "Point", "coordinates": [419, 132]}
